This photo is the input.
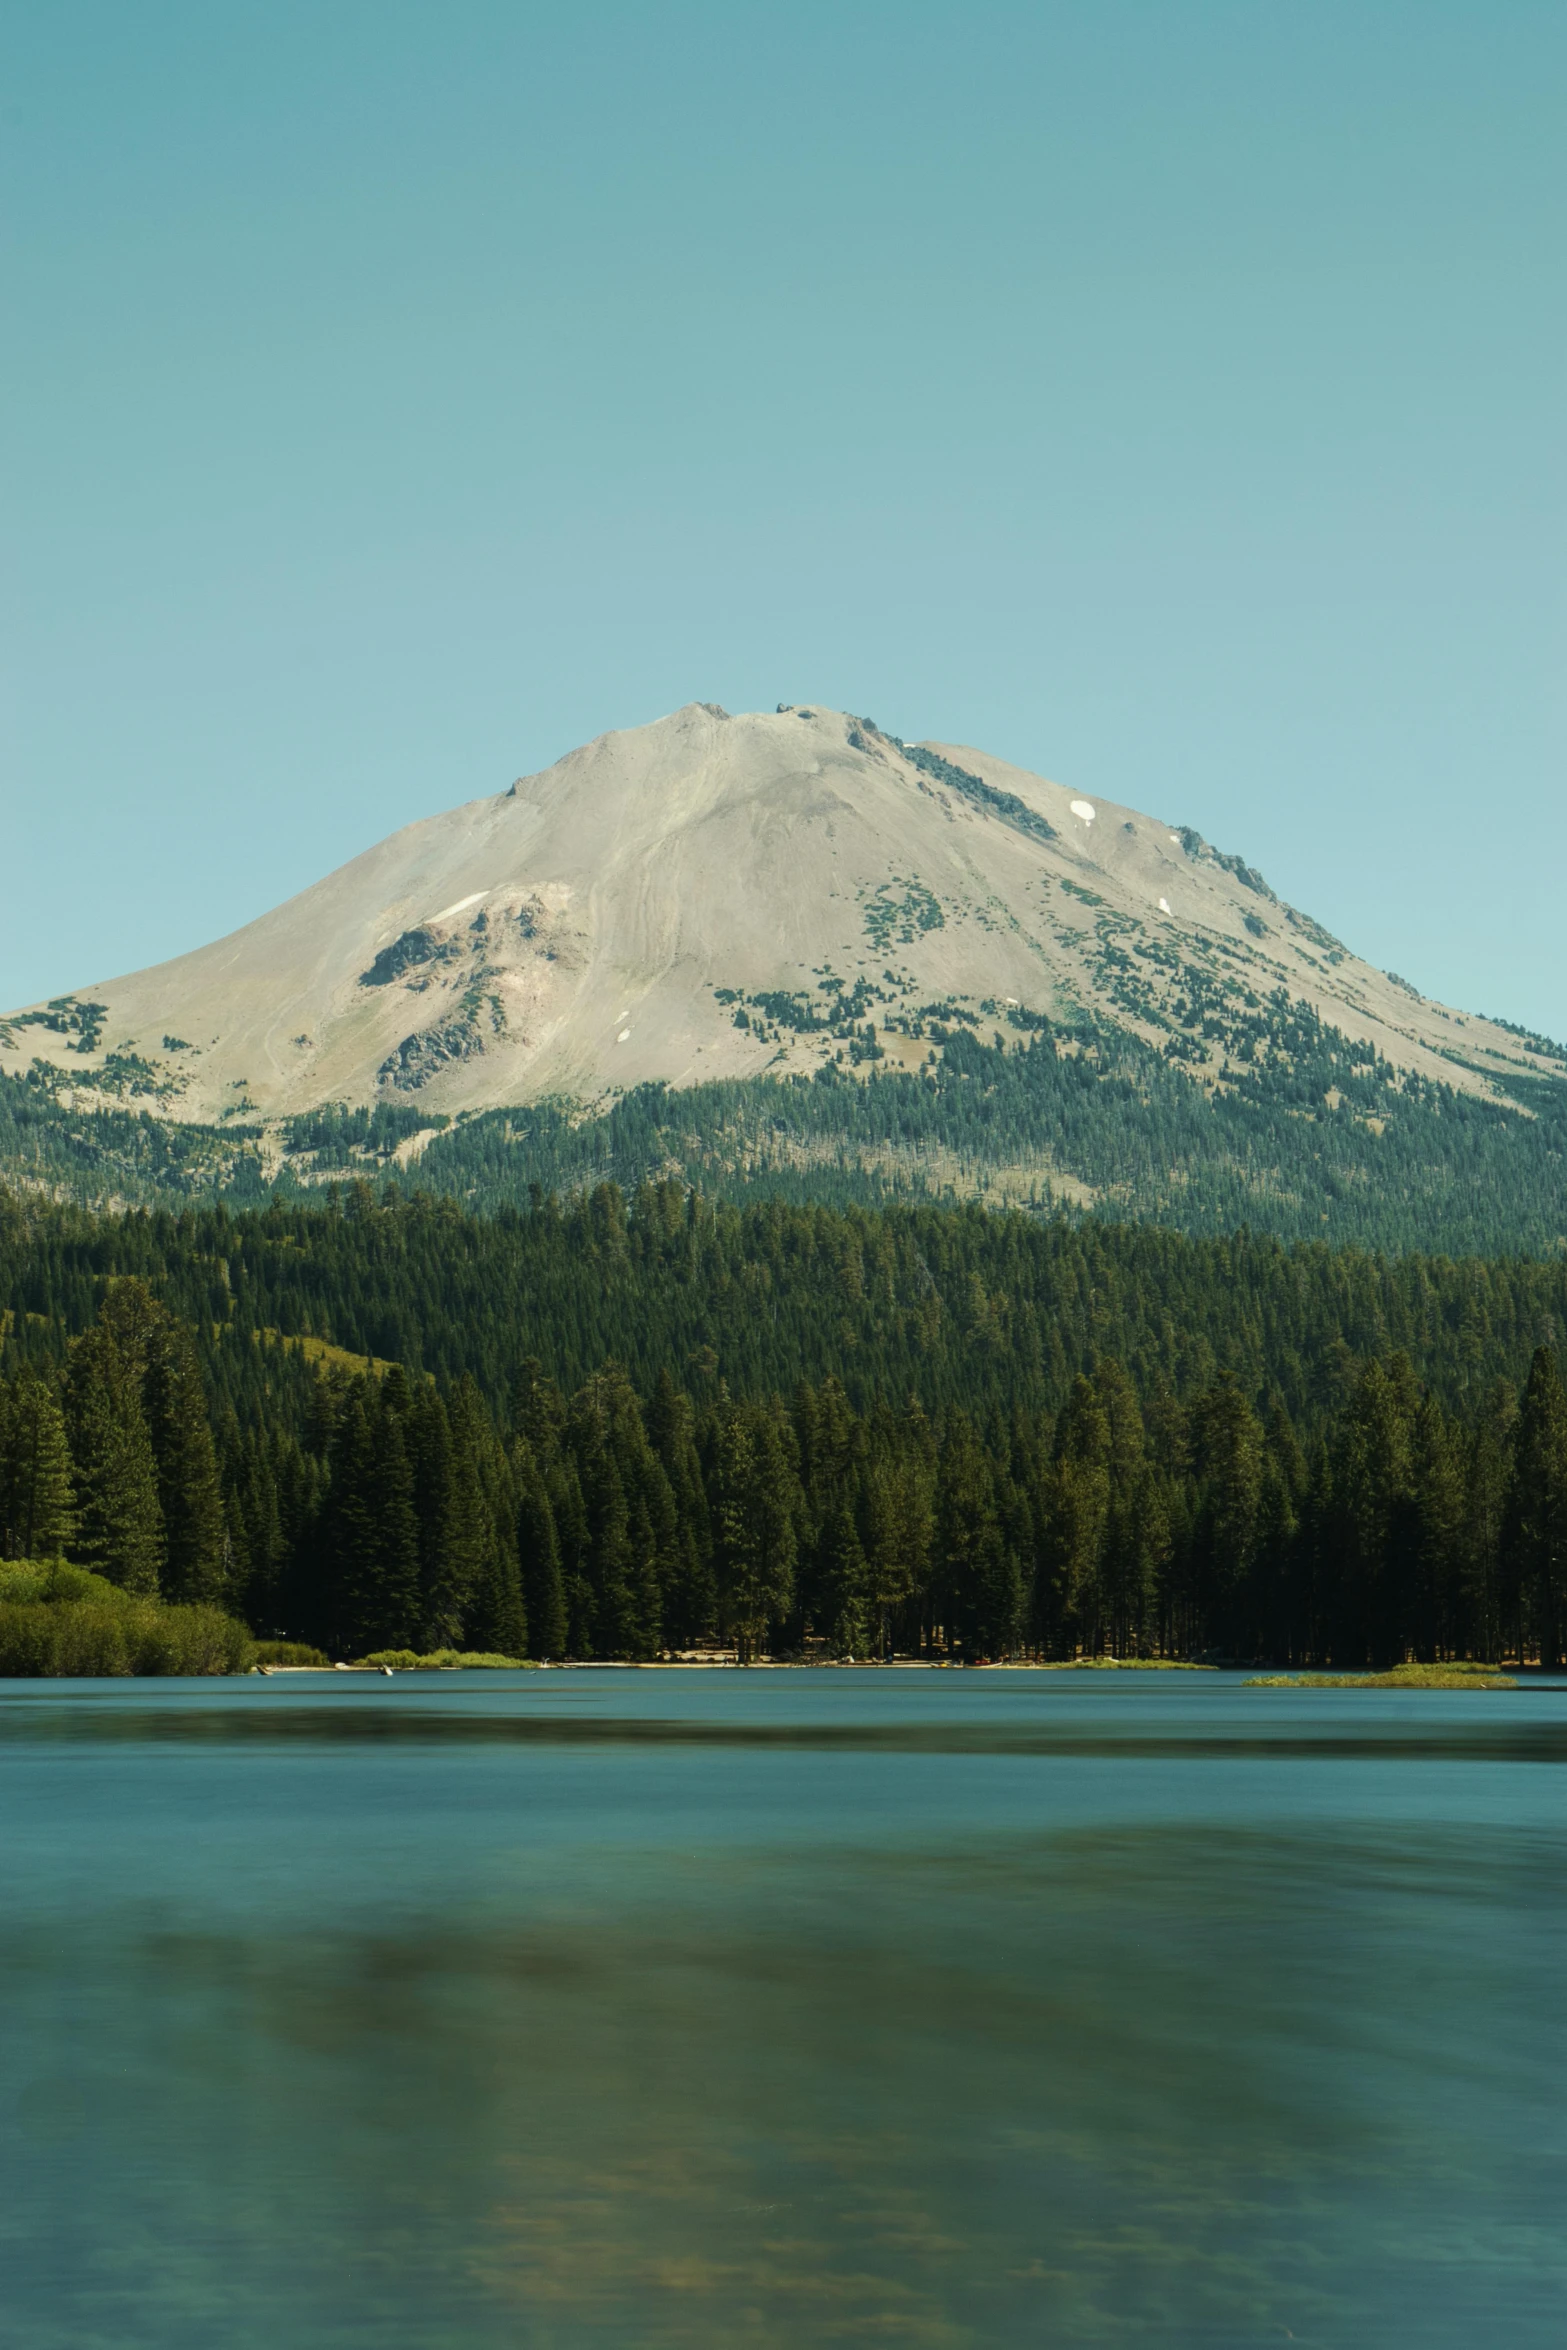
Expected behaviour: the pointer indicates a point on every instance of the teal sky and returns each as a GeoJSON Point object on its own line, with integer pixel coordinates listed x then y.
{"type": "Point", "coordinates": [1164, 394]}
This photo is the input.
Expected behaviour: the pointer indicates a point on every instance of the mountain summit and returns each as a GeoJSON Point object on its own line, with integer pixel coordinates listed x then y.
{"type": "Point", "coordinates": [714, 897]}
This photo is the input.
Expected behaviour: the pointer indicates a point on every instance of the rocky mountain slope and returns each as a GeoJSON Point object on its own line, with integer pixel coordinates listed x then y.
{"type": "Point", "coordinates": [714, 897]}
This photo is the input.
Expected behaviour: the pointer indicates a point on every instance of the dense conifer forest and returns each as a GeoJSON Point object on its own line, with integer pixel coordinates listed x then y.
{"type": "Point", "coordinates": [601, 1428]}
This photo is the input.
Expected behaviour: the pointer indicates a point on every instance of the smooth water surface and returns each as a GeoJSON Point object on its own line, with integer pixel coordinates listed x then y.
{"type": "Point", "coordinates": [695, 2008]}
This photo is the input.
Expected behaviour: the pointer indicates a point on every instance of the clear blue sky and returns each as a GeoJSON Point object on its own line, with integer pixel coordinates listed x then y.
{"type": "Point", "coordinates": [1165, 394]}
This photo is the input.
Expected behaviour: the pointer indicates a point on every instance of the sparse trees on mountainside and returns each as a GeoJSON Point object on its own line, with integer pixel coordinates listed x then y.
{"type": "Point", "coordinates": [1309, 1134]}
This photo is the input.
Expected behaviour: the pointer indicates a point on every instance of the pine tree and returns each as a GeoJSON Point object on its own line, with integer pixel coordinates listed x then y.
{"type": "Point", "coordinates": [389, 1599]}
{"type": "Point", "coordinates": [1072, 1511]}
{"type": "Point", "coordinates": [463, 1544]}
{"type": "Point", "coordinates": [482, 1535]}
{"type": "Point", "coordinates": [900, 1523]}
{"type": "Point", "coordinates": [1136, 1528]}
{"type": "Point", "coordinates": [189, 1492]}
{"type": "Point", "coordinates": [347, 1557]}
{"type": "Point", "coordinates": [120, 1530]}
{"type": "Point", "coordinates": [757, 1499]}
{"type": "Point", "coordinates": [370, 1528]}
{"type": "Point", "coordinates": [539, 1414]}
{"type": "Point", "coordinates": [1227, 1449]}
{"type": "Point", "coordinates": [574, 1538]}
{"type": "Point", "coordinates": [1374, 1529]}
{"type": "Point", "coordinates": [1488, 1469]}
{"type": "Point", "coordinates": [977, 1576]}
{"type": "Point", "coordinates": [427, 1435]}
{"type": "Point", "coordinates": [1537, 1515]}
{"type": "Point", "coordinates": [843, 1583]}
{"type": "Point", "coordinates": [538, 1553]}
{"type": "Point", "coordinates": [689, 1598]}
{"type": "Point", "coordinates": [629, 1512]}
{"type": "Point", "coordinates": [1437, 1627]}
{"type": "Point", "coordinates": [1277, 1614]}
{"type": "Point", "coordinates": [37, 1512]}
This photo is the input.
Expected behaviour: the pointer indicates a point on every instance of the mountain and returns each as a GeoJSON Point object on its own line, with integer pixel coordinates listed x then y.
{"type": "Point", "coordinates": [712, 901]}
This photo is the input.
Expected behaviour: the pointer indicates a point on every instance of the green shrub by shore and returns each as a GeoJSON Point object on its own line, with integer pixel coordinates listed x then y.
{"type": "Point", "coordinates": [296, 1653]}
{"type": "Point", "coordinates": [59, 1621]}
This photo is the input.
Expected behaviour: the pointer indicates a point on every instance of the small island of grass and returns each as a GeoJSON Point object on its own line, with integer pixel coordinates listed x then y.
{"type": "Point", "coordinates": [1458, 1675]}
{"type": "Point", "coordinates": [1123, 1664]}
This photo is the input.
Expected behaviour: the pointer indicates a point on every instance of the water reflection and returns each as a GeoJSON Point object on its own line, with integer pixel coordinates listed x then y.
{"type": "Point", "coordinates": [467, 2037]}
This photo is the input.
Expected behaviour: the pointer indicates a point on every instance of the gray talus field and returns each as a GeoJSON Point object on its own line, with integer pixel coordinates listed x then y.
{"type": "Point", "coordinates": [714, 896]}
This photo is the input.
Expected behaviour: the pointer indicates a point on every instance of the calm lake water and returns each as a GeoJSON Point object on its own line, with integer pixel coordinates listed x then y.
{"type": "Point", "coordinates": [617, 2008]}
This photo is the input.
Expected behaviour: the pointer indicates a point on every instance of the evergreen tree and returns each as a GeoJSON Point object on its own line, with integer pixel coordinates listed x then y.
{"type": "Point", "coordinates": [1073, 1514]}
{"type": "Point", "coordinates": [444, 1516]}
{"type": "Point", "coordinates": [1488, 1469]}
{"type": "Point", "coordinates": [977, 1575]}
{"type": "Point", "coordinates": [1136, 1534]}
{"type": "Point", "coordinates": [496, 1616]}
{"type": "Point", "coordinates": [538, 1551]}
{"type": "Point", "coordinates": [468, 1572]}
{"type": "Point", "coordinates": [120, 1529]}
{"type": "Point", "coordinates": [190, 1495]}
{"type": "Point", "coordinates": [690, 1594]}
{"type": "Point", "coordinates": [1227, 1458]}
{"type": "Point", "coordinates": [843, 1583]}
{"type": "Point", "coordinates": [1537, 1516]}
{"type": "Point", "coordinates": [1276, 1603]}
{"type": "Point", "coordinates": [900, 1527]}
{"type": "Point", "coordinates": [757, 1500]}
{"type": "Point", "coordinates": [1437, 1498]}
{"type": "Point", "coordinates": [370, 1531]}
{"type": "Point", "coordinates": [37, 1512]}
{"type": "Point", "coordinates": [619, 1478]}
{"type": "Point", "coordinates": [1374, 1529]}
{"type": "Point", "coordinates": [389, 1600]}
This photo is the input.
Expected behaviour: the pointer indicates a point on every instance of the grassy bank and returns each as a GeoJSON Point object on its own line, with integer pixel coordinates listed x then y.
{"type": "Point", "coordinates": [57, 1620]}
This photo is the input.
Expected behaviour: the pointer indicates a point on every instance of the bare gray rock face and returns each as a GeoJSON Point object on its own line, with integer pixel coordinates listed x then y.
{"type": "Point", "coordinates": [713, 896]}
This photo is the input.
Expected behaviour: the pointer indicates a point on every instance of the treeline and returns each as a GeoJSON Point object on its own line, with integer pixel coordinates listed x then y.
{"type": "Point", "coordinates": [630, 1514]}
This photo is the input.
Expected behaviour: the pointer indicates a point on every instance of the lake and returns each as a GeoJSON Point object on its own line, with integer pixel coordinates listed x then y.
{"type": "Point", "coordinates": [695, 2008]}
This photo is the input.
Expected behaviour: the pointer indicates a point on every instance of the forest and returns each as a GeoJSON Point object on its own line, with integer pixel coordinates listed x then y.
{"type": "Point", "coordinates": [612, 1428]}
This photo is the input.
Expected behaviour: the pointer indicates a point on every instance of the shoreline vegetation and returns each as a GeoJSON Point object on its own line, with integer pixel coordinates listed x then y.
{"type": "Point", "coordinates": [59, 1621]}
{"type": "Point", "coordinates": [628, 1431]}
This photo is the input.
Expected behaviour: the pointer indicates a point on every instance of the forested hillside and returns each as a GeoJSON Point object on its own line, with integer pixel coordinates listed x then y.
{"type": "Point", "coordinates": [601, 1429]}
{"type": "Point", "coordinates": [1307, 1137]}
